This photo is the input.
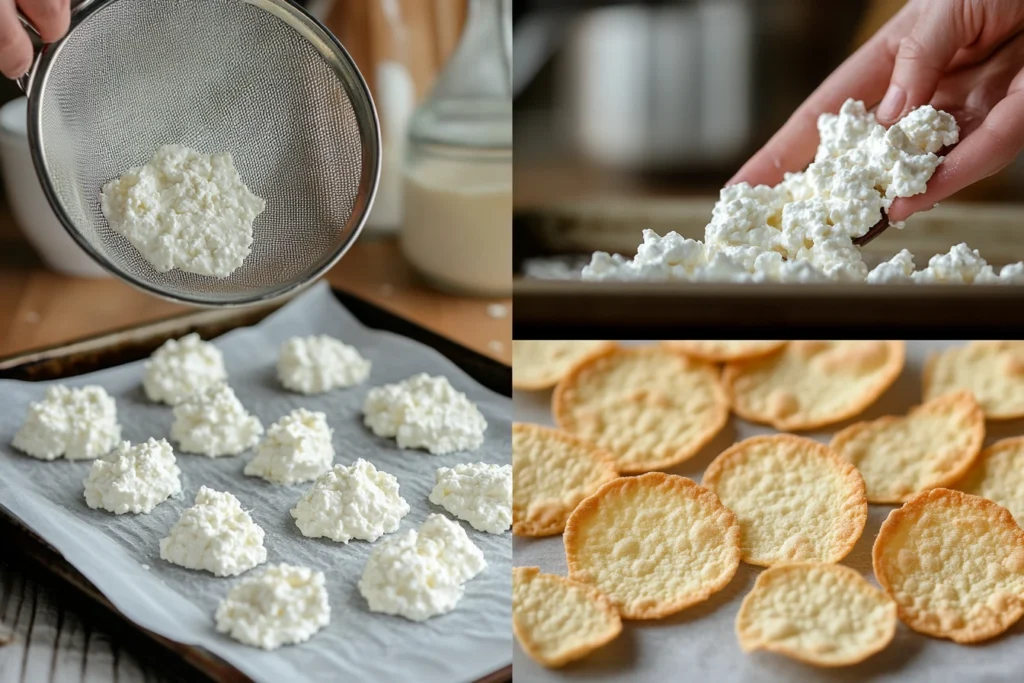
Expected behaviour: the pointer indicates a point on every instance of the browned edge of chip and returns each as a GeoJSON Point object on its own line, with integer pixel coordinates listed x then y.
{"type": "Point", "coordinates": [694, 352]}
{"type": "Point", "coordinates": [591, 506]}
{"type": "Point", "coordinates": [561, 412]}
{"type": "Point", "coordinates": [852, 529]}
{"type": "Point", "coordinates": [929, 372]}
{"type": "Point", "coordinates": [523, 526]}
{"type": "Point", "coordinates": [840, 438]}
{"type": "Point", "coordinates": [890, 529]}
{"type": "Point", "coordinates": [796, 654]}
{"type": "Point", "coordinates": [530, 647]}
{"type": "Point", "coordinates": [547, 384]}
{"type": "Point", "coordinates": [734, 369]}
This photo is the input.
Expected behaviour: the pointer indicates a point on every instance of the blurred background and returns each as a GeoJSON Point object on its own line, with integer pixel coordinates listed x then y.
{"type": "Point", "coordinates": [632, 98]}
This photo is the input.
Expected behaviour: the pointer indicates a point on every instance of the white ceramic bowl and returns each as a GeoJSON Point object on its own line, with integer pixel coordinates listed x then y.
{"type": "Point", "coordinates": [31, 210]}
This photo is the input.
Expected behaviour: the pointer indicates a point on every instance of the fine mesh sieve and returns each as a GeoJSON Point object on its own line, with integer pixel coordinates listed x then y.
{"type": "Point", "coordinates": [260, 79]}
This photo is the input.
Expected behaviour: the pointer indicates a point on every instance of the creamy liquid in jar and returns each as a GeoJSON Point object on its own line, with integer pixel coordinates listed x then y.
{"type": "Point", "coordinates": [457, 224]}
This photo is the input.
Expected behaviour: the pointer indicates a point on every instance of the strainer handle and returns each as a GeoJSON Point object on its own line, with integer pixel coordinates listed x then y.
{"type": "Point", "coordinates": [25, 81]}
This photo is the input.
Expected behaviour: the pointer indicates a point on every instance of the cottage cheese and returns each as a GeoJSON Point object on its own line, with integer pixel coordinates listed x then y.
{"type": "Point", "coordinates": [425, 412]}
{"type": "Point", "coordinates": [421, 574]}
{"type": "Point", "coordinates": [351, 502]}
{"type": "Point", "coordinates": [802, 230]}
{"type": "Point", "coordinates": [181, 367]}
{"type": "Point", "coordinates": [214, 423]}
{"type": "Point", "coordinates": [184, 209]}
{"type": "Point", "coordinates": [297, 448]}
{"type": "Point", "coordinates": [133, 478]}
{"type": "Point", "coordinates": [79, 424]}
{"type": "Point", "coordinates": [215, 534]}
{"type": "Point", "coordinates": [319, 363]}
{"type": "Point", "coordinates": [962, 265]}
{"type": "Point", "coordinates": [281, 605]}
{"type": "Point", "coordinates": [477, 492]}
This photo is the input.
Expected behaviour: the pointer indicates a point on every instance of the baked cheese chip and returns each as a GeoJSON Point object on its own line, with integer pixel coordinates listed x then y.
{"type": "Point", "coordinates": [992, 370]}
{"type": "Point", "coordinates": [820, 614]}
{"type": "Point", "coordinates": [540, 364]}
{"type": "Point", "coordinates": [998, 474]}
{"type": "Point", "coordinates": [557, 620]}
{"type": "Point", "coordinates": [795, 499]}
{"type": "Point", "coordinates": [654, 544]}
{"type": "Point", "coordinates": [954, 564]}
{"type": "Point", "coordinates": [722, 351]}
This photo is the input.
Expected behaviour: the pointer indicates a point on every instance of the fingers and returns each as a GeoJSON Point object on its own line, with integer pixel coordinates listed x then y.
{"type": "Point", "coordinates": [15, 45]}
{"type": "Point", "coordinates": [923, 56]}
{"type": "Point", "coordinates": [991, 147]}
{"type": "Point", "coordinates": [50, 18]}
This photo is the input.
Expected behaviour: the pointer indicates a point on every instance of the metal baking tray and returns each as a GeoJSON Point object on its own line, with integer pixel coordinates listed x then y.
{"type": "Point", "coordinates": [558, 307]}
{"type": "Point", "coordinates": [126, 345]}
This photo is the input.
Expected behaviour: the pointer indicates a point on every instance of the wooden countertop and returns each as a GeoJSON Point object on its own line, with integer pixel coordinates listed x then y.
{"type": "Point", "coordinates": [40, 308]}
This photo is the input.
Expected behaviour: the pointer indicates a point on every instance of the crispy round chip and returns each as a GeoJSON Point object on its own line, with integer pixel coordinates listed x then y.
{"type": "Point", "coordinates": [992, 370]}
{"type": "Point", "coordinates": [954, 564]}
{"type": "Point", "coordinates": [654, 544]}
{"type": "Point", "coordinates": [931, 447]}
{"type": "Point", "coordinates": [651, 407]}
{"type": "Point", "coordinates": [540, 364]}
{"type": "Point", "coordinates": [811, 384]}
{"type": "Point", "coordinates": [722, 351]}
{"type": "Point", "coordinates": [552, 472]}
{"type": "Point", "coordinates": [795, 499]}
{"type": "Point", "coordinates": [821, 614]}
{"type": "Point", "coordinates": [998, 474]}
{"type": "Point", "coordinates": [557, 620]}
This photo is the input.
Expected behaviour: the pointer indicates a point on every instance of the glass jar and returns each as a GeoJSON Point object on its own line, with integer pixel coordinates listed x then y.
{"type": "Point", "coordinates": [457, 178]}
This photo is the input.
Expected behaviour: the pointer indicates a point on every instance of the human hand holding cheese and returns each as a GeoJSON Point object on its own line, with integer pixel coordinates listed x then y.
{"type": "Point", "coordinates": [965, 57]}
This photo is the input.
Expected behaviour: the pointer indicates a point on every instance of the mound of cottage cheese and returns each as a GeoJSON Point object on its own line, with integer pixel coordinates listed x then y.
{"type": "Point", "coordinates": [802, 230]}
{"type": "Point", "coordinates": [420, 574]}
{"type": "Point", "coordinates": [77, 423]}
{"type": "Point", "coordinates": [213, 423]}
{"type": "Point", "coordinates": [133, 478]}
{"type": "Point", "coordinates": [281, 605]}
{"type": "Point", "coordinates": [425, 412]}
{"type": "Point", "coordinates": [181, 367]}
{"type": "Point", "coordinates": [215, 534]}
{"type": "Point", "coordinates": [351, 502]}
{"type": "Point", "coordinates": [184, 209]}
{"type": "Point", "coordinates": [319, 363]}
{"type": "Point", "coordinates": [477, 492]}
{"type": "Point", "coordinates": [296, 448]}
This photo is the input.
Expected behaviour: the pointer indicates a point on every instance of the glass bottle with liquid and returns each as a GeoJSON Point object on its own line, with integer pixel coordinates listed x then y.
{"type": "Point", "coordinates": [457, 177]}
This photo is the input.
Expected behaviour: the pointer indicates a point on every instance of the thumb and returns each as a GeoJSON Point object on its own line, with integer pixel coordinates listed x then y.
{"type": "Point", "coordinates": [922, 58]}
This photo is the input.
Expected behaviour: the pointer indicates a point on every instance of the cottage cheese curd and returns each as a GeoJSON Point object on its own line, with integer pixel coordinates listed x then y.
{"type": "Point", "coordinates": [215, 534]}
{"type": "Point", "coordinates": [297, 448]}
{"type": "Point", "coordinates": [477, 492]}
{"type": "Point", "coordinates": [133, 478]}
{"type": "Point", "coordinates": [181, 367]}
{"type": "Point", "coordinates": [186, 210]}
{"type": "Point", "coordinates": [319, 363]}
{"type": "Point", "coordinates": [351, 502]}
{"type": "Point", "coordinates": [213, 422]}
{"type": "Point", "coordinates": [281, 605]}
{"type": "Point", "coordinates": [962, 265]}
{"type": "Point", "coordinates": [802, 230]}
{"type": "Point", "coordinates": [77, 423]}
{"type": "Point", "coordinates": [420, 574]}
{"type": "Point", "coordinates": [425, 412]}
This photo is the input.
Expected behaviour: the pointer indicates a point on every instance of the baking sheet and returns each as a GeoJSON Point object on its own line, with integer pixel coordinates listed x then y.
{"type": "Point", "coordinates": [699, 643]}
{"type": "Point", "coordinates": [464, 645]}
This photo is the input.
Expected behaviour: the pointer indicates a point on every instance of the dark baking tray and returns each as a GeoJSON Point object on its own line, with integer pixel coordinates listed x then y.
{"type": "Point", "coordinates": [126, 345]}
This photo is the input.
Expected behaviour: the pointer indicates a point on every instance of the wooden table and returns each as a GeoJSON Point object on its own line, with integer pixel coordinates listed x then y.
{"type": "Point", "coordinates": [57, 636]}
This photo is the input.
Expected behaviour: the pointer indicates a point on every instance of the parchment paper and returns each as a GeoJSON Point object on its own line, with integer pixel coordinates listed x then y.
{"type": "Point", "coordinates": [179, 603]}
{"type": "Point", "coordinates": [699, 643]}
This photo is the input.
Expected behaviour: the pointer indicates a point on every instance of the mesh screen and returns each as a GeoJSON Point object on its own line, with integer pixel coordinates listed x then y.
{"type": "Point", "coordinates": [214, 75]}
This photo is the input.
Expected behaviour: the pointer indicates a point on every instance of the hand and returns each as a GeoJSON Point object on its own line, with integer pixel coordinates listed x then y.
{"type": "Point", "coordinates": [963, 56]}
{"type": "Point", "coordinates": [50, 17]}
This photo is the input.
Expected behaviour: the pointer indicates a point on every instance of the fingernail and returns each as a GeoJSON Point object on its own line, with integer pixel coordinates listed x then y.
{"type": "Point", "coordinates": [892, 103]}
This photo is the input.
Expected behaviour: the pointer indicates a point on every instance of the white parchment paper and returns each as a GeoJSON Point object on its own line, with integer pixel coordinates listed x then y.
{"type": "Point", "coordinates": [699, 643]}
{"type": "Point", "coordinates": [178, 603]}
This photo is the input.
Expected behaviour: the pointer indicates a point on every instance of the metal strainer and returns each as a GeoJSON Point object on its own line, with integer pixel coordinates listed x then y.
{"type": "Point", "coordinates": [258, 78]}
